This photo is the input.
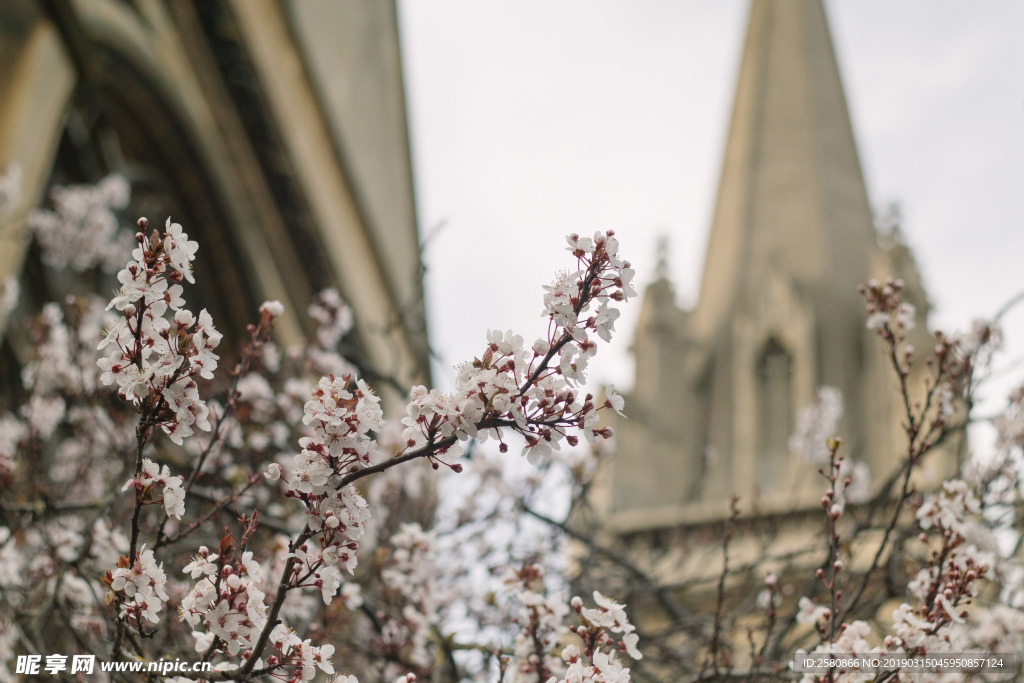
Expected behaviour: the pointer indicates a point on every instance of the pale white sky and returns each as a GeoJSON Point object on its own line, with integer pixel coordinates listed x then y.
{"type": "Point", "coordinates": [533, 119]}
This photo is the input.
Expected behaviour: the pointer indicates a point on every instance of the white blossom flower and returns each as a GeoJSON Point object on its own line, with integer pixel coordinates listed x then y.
{"type": "Point", "coordinates": [174, 498]}
{"type": "Point", "coordinates": [179, 249]}
{"type": "Point", "coordinates": [817, 423]}
{"type": "Point", "coordinates": [905, 315]}
{"type": "Point", "coordinates": [810, 613]}
{"type": "Point", "coordinates": [630, 640]}
{"type": "Point", "coordinates": [272, 308]}
{"type": "Point", "coordinates": [614, 399]}
{"type": "Point", "coordinates": [202, 564]}
{"type": "Point", "coordinates": [142, 585]}
{"type": "Point", "coordinates": [877, 320]}
{"type": "Point", "coordinates": [273, 472]}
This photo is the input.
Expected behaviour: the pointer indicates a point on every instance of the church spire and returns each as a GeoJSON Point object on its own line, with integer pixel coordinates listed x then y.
{"type": "Point", "coordinates": [661, 270]}
{"type": "Point", "coordinates": [791, 198]}
{"type": "Point", "coordinates": [779, 316]}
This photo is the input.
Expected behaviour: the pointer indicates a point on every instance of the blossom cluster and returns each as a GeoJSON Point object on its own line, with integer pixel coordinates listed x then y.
{"type": "Point", "coordinates": [228, 610]}
{"type": "Point", "coordinates": [953, 363]}
{"type": "Point", "coordinates": [936, 619]}
{"type": "Point", "coordinates": [35, 569]}
{"type": "Point", "coordinates": [307, 658]}
{"type": "Point", "coordinates": [154, 360]}
{"type": "Point", "coordinates": [343, 414]}
{"type": "Point", "coordinates": [253, 604]}
{"type": "Point", "coordinates": [413, 574]}
{"type": "Point", "coordinates": [886, 309]}
{"type": "Point", "coordinates": [58, 445]}
{"type": "Point", "coordinates": [334, 320]}
{"type": "Point", "coordinates": [63, 389]}
{"type": "Point", "coordinates": [152, 475]}
{"type": "Point", "coordinates": [948, 583]}
{"type": "Point", "coordinates": [225, 599]}
{"type": "Point", "coordinates": [522, 389]}
{"type": "Point", "coordinates": [139, 587]}
{"type": "Point", "coordinates": [548, 651]}
{"type": "Point", "coordinates": [82, 231]}
{"type": "Point", "coordinates": [540, 621]}
{"type": "Point", "coordinates": [960, 550]}
{"type": "Point", "coordinates": [609, 617]}
{"type": "Point", "coordinates": [817, 423]}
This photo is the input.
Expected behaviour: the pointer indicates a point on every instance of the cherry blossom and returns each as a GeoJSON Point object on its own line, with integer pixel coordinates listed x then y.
{"type": "Point", "coordinates": [139, 587]}
{"type": "Point", "coordinates": [817, 423]}
{"type": "Point", "coordinates": [152, 360]}
{"type": "Point", "coordinates": [152, 475]}
{"type": "Point", "coordinates": [83, 230]}
{"type": "Point", "coordinates": [510, 387]}
{"type": "Point", "coordinates": [541, 620]}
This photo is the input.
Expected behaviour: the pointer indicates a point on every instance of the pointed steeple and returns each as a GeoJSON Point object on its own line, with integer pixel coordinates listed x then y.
{"type": "Point", "coordinates": [791, 197]}
{"type": "Point", "coordinates": [718, 389]}
{"type": "Point", "coordinates": [779, 314]}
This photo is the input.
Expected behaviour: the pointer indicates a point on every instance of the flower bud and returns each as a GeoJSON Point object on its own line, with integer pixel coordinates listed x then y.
{"type": "Point", "coordinates": [272, 308]}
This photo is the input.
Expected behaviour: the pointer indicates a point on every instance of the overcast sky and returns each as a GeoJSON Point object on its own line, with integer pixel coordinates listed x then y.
{"type": "Point", "coordinates": [533, 119]}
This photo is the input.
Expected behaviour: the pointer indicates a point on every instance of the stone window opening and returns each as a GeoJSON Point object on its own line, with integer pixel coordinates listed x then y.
{"type": "Point", "coordinates": [775, 411]}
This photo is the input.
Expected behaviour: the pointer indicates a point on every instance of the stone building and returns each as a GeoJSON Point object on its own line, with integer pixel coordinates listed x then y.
{"type": "Point", "coordinates": [274, 131]}
{"type": "Point", "coordinates": [718, 387]}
